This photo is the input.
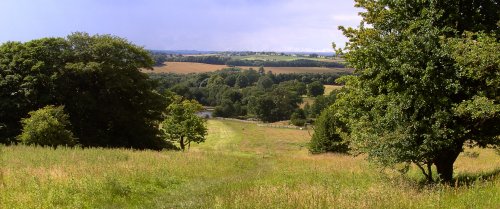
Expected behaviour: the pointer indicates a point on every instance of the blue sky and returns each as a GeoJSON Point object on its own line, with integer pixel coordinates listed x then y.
{"type": "Point", "coordinates": [257, 25]}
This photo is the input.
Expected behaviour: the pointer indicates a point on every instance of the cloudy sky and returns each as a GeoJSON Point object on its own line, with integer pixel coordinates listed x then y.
{"type": "Point", "coordinates": [257, 25]}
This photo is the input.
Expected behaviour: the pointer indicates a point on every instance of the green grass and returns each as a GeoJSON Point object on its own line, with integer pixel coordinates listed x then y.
{"type": "Point", "coordinates": [239, 166]}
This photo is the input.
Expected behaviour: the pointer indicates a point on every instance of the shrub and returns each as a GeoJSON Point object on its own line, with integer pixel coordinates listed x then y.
{"type": "Point", "coordinates": [48, 126]}
{"type": "Point", "coordinates": [298, 118]}
{"type": "Point", "coordinates": [328, 134]}
{"type": "Point", "coordinates": [315, 89]}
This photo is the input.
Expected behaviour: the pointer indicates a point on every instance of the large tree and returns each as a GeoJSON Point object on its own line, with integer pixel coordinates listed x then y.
{"type": "Point", "coordinates": [427, 84]}
{"type": "Point", "coordinates": [97, 78]}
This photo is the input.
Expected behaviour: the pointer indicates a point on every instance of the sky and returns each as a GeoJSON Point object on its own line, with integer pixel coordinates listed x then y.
{"type": "Point", "coordinates": [215, 25]}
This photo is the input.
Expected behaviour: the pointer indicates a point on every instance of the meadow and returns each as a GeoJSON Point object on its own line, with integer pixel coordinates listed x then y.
{"type": "Point", "coordinates": [190, 67]}
{"type": "Point", "coordinates": [240, 165]}
{"type": "Point", "coordinates": [284, 58]}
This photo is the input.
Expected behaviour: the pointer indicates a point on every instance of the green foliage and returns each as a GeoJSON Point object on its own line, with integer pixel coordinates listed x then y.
{"type": "Point", "coordinates": [330, 133]}
{"type": "Point", "coordinates": [265, 82]}
{"type": "Point", "coordinates": [425, 85]}
{"type": "Point", "coordinates": [97, 78]}
{"type": "Point", "coordinates": [276, 105]}
{"type": "Point", "coordinates": [315, 89]}
{"type": "Point", "coordinates": [321, 103]}
{"type": "Point", "coordinates": [48, 126]}
{"type": "Point", "coordinates": [181, 123]}
{"type": "Point", "coordinates": [298, 118]}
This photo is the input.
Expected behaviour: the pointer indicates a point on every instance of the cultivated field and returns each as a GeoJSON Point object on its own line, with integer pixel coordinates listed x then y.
{"type": "Point", "coordinates": [189, 67]}
{"type": "Point", "coordinates": [239, 166]}
{"type": "Point", "coordinates": [283, 58]}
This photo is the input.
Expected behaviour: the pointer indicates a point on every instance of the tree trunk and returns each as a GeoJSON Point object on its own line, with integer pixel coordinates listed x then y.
{"type": "Point", "coordinates": [182, 143]}
{"type": "Point", "coordinates": [444, 164]}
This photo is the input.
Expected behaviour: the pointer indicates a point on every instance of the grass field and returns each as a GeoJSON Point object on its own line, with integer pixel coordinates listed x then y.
{"type": "Point", "coordinates": [239, 166]}
{"type": "Point", "coordinates": [283, 58]}
{"type": "Point", "coordinates": [330, 88]}
{"type": "Point", "coordinates": [189, 67]}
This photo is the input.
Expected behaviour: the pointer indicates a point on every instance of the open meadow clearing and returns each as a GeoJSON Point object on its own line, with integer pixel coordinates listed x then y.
{"type": "Point", "coordinates": [240, 165]}
{"type": "Point", "coordinates": [190, 67]}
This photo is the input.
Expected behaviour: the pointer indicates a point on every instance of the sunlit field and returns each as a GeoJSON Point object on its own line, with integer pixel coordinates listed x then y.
{"type": "Point", "coordinates": [239, 166]}
{"type": "Point", "coordinates": [190, 67]}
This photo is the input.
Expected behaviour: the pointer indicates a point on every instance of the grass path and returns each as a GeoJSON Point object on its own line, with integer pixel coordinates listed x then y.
{"type": "Point", "coordinates": [239, 166]}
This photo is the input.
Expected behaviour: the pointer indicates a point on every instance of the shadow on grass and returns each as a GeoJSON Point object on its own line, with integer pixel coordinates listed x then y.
{"type": "Point", "coordinates": [467, 179]}
{"type": "Point", "coordinates": [460, 180]}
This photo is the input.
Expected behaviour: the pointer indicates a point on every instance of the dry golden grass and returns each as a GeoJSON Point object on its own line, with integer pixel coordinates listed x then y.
{"type": "Point", "coordinates": [189, 67]}
{"type": "Point", "coordinates": [330, 88]}
{"type": "Point", "coordinates": [240, 165]}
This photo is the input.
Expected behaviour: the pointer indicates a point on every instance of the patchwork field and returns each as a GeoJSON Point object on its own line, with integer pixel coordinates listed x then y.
{"type": "Point", "coordinates": [239, 166]}
{"type": "Point", "coordinates": [189, 67]}
{"type": "Point", "coordinates": [283, 58]}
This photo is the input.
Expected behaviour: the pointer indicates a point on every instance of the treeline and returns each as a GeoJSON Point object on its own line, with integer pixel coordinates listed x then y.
{"type": "Point", "coordinates": [250, 93]}
{"type": "Point", "coordinates": [82, 89]}
{"type": "Point", "coordinates": [220, 60]}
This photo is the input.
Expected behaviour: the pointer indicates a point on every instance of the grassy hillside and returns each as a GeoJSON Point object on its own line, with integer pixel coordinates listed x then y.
{"type": "Point", "coordinates": [240, 166]}
{"type": "Point", "coordinates": [190, 67]}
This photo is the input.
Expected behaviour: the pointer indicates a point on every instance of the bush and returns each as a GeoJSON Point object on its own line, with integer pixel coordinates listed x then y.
{"type": "Point", "coordinates": [328, 134]}
{"type": "Point", "coordinates": [298, 118]}
{"type": "Point", "coordinates": [315, 89]}
{"type": "Point", "coordinates": [48, 126]}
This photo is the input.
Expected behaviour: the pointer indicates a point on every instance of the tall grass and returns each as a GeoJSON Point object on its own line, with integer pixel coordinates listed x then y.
{"type": "Point", "coordinates": [240, 166]}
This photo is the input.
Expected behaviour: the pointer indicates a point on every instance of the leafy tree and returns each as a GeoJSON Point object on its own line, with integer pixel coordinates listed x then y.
{"type": "Point", "coordinates": [182, 124]}
{"type": "Point", "coordinates": [294, 86]}
{"type": "Point", "coordinates": [315, 89]}
{"type": "Point", "coordinates": [427, 83]}
{"type": "Point", "coordinates": [242, 81]}
{"type": "Point", "coordinates": [265, 82]}
{"type": "Point", "coordinates": [97, 78]}
{"type": "Point", "coordinates": [329, 133]}
{"type": "Point", "coordinates": [321, 103]}
{"type": "Point", "coordinates": [298, 118]}
{"type": "Point", "coordinates": [48, 126]}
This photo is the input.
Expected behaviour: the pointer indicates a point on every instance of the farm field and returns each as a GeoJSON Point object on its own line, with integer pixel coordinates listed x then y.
{"type": "Point", "coordinates": [282, 58]}
{"type": "Point", "coordinates": [240, 165]}
{"type": "Point", "coordinates": [189, 67]}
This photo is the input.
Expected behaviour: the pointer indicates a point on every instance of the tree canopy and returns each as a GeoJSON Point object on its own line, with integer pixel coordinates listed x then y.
{"type": "Point", "coordinates": [97, 78]}
{"type": "Point", "coordinates": [427, 81]}
{"type": "Point", "coordinates": [181, 123]}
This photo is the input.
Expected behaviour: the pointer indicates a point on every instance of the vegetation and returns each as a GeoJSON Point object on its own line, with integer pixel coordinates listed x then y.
{"type": "Point", "coordinates": [237, 93]}
{"type": "Point", "coordinates": [298, 118]}
{"type": "Point", "coordinates": [239, 166]}
{"type": "Point", "coordinates": [191, 67]}
{"type": "Point", "coordinates": [329, 133]}
{"type": "Point", "coordinates": [229, 61]}
{"type": "Point", "coordinates": [48, 126]}
{"type": "Point", "coordinates": [315, 89]}
{"type": "Point", "coordinates": [181, 123]}
{"type": "Point", "coordinates": [98, 80]}
{"type": "Point", "coordinates": [427, 83]}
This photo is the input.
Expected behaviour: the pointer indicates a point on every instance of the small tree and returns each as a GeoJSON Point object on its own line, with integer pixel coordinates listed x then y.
{"type": "Point", "coordinates": [315, 89]}
{"type": "Point", "coordinates": [182, 124]}
{"type": "Point", "coordinates": [48, 126]}
{"type": "Point", "coordinates": [329, 133]}
{"type": "Point", "coordinates": [298, 118]}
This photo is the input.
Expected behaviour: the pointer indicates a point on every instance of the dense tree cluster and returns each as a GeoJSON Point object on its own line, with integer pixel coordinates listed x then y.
{"type": "Point", "coordinates": [110, 102]}
{"type": "Point", "coordinates": [244, 93]}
